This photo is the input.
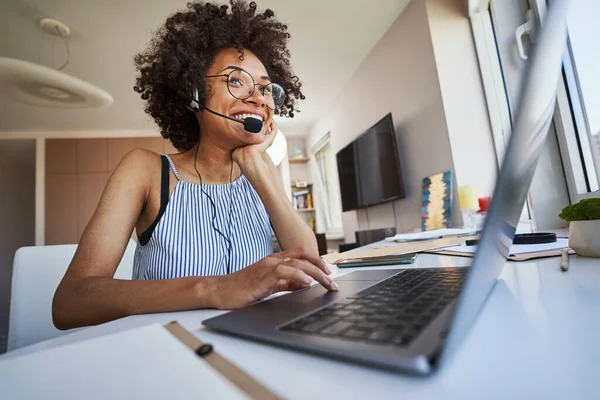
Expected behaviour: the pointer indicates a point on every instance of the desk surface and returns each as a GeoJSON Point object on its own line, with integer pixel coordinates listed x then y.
{"type": "Point", "coordinates": [537, 337]}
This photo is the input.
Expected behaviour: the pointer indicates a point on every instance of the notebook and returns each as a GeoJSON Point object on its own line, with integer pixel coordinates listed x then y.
{"type": "Point", "coordinates": [387, 248]}
{"type": "Point", "coordinates": [148, 362]}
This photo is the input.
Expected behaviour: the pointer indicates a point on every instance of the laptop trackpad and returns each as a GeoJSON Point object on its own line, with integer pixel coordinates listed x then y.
{"type": "Point", "coordinates": [349, 285]}
{"type": "Point", "coordinates": [304, 301]}
{"type": "Point", "coordinates": [368, 275]}
{"type": "Point", "coordinates": [268, 314]}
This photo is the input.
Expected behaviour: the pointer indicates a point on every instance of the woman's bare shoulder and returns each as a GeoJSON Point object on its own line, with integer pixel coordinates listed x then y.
{"type": "Point", "coordinates": [141, 157]}
{"type": "Point", "coordinates": [140, 164]}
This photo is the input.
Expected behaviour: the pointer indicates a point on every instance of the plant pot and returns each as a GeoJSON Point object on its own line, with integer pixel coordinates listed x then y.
{"type": "Point", "coordinates": [584, 237]}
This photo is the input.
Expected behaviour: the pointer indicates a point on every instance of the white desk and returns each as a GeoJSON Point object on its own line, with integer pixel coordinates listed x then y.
{"type": "Point", "coordinates": [538, 336]}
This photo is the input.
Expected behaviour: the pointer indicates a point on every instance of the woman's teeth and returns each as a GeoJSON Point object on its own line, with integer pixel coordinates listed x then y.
{"type": "Point", "coordinates": [244, 116]}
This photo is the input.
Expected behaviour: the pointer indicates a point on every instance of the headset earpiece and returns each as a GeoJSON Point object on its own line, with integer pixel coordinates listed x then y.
{"type": "Point", "coordinates": [194, 104]}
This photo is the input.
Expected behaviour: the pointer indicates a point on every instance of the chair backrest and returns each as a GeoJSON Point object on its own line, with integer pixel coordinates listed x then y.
{"type": "Point", "coordinates": [364, 238]}
{"type": "Point", "coordinates": [37, 271]}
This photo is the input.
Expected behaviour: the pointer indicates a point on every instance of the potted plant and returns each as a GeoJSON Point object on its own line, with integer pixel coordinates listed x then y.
{"type": "Point", "coordinates": [584, 226]}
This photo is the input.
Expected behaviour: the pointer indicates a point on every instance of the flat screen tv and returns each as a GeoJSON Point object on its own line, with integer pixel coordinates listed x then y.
{"type": "Point", "coordinates": [369, 168]}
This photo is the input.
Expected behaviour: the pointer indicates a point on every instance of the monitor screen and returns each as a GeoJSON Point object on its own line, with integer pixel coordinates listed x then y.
{"type": "Point", "coordinates": [369, 168]}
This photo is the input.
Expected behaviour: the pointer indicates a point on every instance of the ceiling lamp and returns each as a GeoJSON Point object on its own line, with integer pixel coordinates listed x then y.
{"type": "Point", "coordinates": [37, 85]}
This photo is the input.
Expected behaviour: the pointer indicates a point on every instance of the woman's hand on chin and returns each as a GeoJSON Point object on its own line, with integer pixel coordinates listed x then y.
{"type": "Point", "coordinates": [253, 152]}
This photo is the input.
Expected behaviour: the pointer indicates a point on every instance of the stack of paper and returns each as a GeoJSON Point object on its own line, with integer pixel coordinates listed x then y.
{"type": "Point", "coordinates": [517, 249]}
{"type": "Point", "coordinates": [428, 235]}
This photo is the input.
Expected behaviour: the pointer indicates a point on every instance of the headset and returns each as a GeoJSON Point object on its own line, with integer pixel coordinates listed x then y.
{"type": "Point", "coordinates": [251, 125]}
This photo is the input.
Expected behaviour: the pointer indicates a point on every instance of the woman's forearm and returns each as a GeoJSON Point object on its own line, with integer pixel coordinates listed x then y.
{"type": "Point", "coordinates": [292, 232]}
{"type": "Point", "coordinates": [93, 300]}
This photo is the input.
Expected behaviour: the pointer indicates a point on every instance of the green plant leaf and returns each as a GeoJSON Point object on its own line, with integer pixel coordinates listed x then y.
{"type": "Point", "coordinates": [584, 210]}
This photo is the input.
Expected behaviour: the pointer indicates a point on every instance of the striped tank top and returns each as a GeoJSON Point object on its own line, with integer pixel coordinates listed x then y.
{"type": "Point", "coordinates": [182, 241]}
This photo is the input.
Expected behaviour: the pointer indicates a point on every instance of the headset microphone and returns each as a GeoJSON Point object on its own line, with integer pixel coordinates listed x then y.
{"type": "Point", "coordinates": [252, 125]}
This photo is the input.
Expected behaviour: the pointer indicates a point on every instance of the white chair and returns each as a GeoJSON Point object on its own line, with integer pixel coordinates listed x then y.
{"type": "Point", "coordinates": [37, 271]}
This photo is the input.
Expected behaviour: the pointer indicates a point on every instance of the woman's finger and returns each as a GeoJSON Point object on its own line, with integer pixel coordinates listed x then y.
{"type": "Point", "coordinates": [314, 272]}
{"type": "Point", "coordinates": [303, 254]}
{"type": "Point", "coordinates": [286, 285]}
{"type": "Point", "coordinates": [283, 271]}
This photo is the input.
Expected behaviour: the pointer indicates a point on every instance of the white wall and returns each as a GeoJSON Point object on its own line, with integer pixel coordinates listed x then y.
{"type": "Point", "coordinates": [398, 76]}
{"type": "Point", "coordinates": [463, 97]}
{"type": "Point", "coordinates": [425, 72]}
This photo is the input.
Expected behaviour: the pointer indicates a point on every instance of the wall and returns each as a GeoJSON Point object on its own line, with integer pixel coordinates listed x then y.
{"type": "Point", "coordinates": [398, 76]}
{"type": "Point", "coordinates": [17, 211]}
{"type": "Point", "coordinates": [463, 97]}
{"type": "Point", "coordinates": [300, 172]}
{"type": "Point", "coordinates": [77, 171]}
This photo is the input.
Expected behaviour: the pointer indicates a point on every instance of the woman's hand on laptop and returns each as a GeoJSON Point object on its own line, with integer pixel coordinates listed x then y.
{"type": "Point", "coordinates": [288, 270]}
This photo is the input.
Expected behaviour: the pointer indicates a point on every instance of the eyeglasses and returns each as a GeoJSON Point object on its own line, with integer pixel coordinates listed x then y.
{"type": "Point", "coordinates": [241, 85]}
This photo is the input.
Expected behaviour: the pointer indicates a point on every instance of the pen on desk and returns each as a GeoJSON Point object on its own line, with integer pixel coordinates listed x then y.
{"type": "Point", "coordinates": [564, 260]}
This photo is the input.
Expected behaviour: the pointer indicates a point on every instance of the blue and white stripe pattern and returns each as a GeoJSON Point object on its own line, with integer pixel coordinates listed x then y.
{"type": "Point", "coordinates": [184, 242]}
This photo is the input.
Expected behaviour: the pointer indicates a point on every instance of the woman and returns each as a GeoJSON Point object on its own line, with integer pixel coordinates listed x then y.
{"type": "Point", "coordinates": [203, 216]}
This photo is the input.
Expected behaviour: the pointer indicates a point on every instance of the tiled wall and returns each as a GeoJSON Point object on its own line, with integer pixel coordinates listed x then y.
{"type": "Point", "coordinates": [76, 172]}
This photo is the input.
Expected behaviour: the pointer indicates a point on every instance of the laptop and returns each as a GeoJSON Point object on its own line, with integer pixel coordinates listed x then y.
{"type": "Point", "coordinates": [412, 320]}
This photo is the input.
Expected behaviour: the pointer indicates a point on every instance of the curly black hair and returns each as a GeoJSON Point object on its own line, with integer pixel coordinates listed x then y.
{"type": "Point", "coordinates": [176, 60]}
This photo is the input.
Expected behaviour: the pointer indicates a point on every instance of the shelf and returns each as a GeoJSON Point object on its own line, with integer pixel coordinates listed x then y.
{"type": "Point", "coordinates": [302, 160]}
{"type": "Point", "coordinates": [300, 187]}
{"type": "Point", "coordinates": [305, 209]}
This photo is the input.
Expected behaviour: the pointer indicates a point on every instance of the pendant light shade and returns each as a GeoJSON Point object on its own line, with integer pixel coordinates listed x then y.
{"type": "Point", "coordinates": [37, 85]}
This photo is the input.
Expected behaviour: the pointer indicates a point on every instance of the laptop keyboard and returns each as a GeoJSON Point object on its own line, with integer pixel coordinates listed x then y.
{"type": "Point", "coordinates": [395, 313]}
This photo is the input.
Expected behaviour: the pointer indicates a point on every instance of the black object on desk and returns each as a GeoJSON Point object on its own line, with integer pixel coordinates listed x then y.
{"type": "Point", "coordinates": [204, 350]}
{"type": "Point", "coordinates": [525, 238]}
{"type": "Point", "coordinates": [347, 246]}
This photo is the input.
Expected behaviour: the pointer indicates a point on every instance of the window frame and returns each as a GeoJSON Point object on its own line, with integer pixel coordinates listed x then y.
{"type": "Point", "coordinates": [569, 117]}
{"type": "Point", "coordinates": [327, 196]}
{"type": "Point", "coordinates": [496, 93]}
{"type": "Point", "coordinates": [490, 66]}
{"type": "Point", "coordinates": [574, 152]}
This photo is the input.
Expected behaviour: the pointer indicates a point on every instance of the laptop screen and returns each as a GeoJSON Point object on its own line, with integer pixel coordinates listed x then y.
{"type": "Point", "coordinates": [533, 118]}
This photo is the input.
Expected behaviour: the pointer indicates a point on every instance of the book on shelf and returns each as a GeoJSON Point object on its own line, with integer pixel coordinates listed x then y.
{"type": "Point", "coordinates": [302, 201]}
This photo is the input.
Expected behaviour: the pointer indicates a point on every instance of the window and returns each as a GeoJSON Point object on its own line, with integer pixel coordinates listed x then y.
{"type": "Point", "coordinates": [328, 193]}
{"type": "Point", "coordinates": [492, 79]}
{"type": "Point", "coordinates": [569, 167]}
{"type": "Point", "coordinates": [579, 99]}
{"type": "Point", "coordinates": [493, 25]}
